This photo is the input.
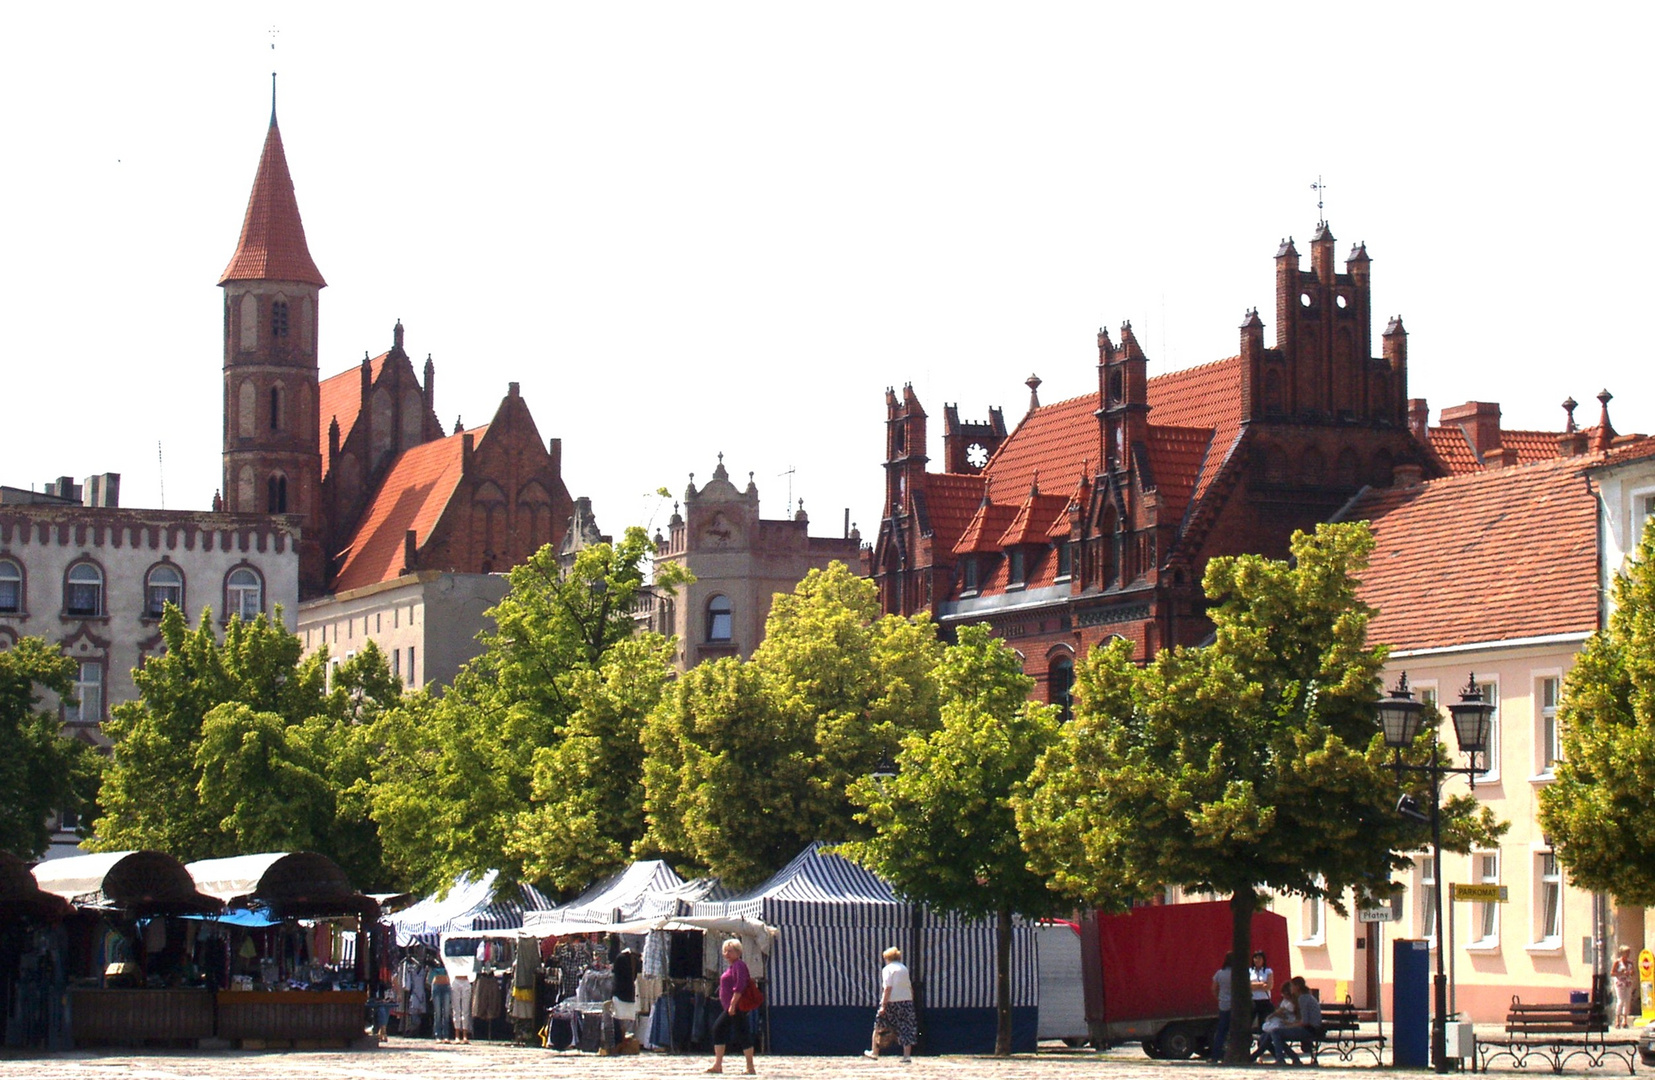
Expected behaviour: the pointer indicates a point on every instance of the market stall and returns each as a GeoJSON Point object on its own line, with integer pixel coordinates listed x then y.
{"type": "Point", "coordinates": [298, 962]}
{"type": "Point", "coordinates": [129, 953]}
{"type": "Point", "coordinates": [33, 1004]}
{"type": "Point", "coordinates": [834, 918]}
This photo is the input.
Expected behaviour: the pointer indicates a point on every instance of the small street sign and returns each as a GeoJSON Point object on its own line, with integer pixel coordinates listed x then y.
{"type": "Point", "coordinates": [1478, 894]}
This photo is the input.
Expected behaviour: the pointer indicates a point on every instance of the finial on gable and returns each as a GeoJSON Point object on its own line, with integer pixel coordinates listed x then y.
{"type": "Point", "coordinates": [1569, 406]}
{"type": "Point", "coordinates": [1033, 383]}
{"type": "Point", "coordinates": [1605, 434]}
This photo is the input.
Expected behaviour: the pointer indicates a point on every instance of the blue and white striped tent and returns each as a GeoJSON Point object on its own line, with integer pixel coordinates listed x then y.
{"type": "Point", "coordinates": [834, 919]}
{"type": "Point", "coordinates": [470, 905]}
{"type": "Point", "coordinates": [645, 890]}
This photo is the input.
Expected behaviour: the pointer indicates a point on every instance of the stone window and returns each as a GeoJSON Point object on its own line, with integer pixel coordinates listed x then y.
{"type": "Point", "coordinates": [11, 588]}
{"type": "Point", "coordinates": [88, 707]}
{"type": "Point", "coordinates": [83, 591]}
{"type": "Point", "coordinates": [244, 593]}
{"type": "Point", "coordinates": [278, 319]}
{"type": "Point", "coordinates": [163, 586]}
{"type": "Point", "coordinates": [720, 623]}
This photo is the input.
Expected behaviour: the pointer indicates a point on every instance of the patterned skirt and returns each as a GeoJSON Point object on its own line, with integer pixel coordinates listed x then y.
{"type": "Point", "coordinates": [898, 1016]}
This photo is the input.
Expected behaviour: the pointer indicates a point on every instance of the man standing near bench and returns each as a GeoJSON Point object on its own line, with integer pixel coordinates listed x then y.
{"type": "Point", "coordinates": [1308, 1029]}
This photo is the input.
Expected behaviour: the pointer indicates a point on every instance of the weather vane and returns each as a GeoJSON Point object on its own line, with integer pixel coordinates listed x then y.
{"type": "Point", "coordinates": [1320, 189]}
{"type": "Point", "coordinates": [273, 33]}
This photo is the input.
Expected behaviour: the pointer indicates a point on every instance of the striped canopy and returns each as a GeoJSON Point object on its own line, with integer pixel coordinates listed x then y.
{"type": "Point", "coordinates": [469, 905]}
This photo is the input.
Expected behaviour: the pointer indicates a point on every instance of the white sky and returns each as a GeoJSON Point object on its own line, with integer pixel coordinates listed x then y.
{"type": "Point", "coordinates": [687, 228]}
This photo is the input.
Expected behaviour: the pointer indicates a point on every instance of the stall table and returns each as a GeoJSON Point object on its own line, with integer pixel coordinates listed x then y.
{"type": "Point", "coordinates": [133, 1017]}
{"type": "Point", "coordinates": [305, 1018]}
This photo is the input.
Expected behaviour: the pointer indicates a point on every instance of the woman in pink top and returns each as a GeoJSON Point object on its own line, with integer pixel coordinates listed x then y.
{"type": "Point", "coordinates": [730, 1029]}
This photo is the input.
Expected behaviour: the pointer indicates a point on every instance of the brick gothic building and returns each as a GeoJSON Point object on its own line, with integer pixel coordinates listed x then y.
{"type": "Point", "coordinates": [1095, 517]}
{"type": "Point", "coordinates": [361, 457]}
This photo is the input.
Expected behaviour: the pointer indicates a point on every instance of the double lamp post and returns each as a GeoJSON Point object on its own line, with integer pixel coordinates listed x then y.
{"type": "Point", "coordinates": [1401, 717]}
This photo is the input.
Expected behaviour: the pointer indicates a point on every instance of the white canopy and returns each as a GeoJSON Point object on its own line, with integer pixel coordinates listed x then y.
{"type": "Point", "coordinates": [725, 925]}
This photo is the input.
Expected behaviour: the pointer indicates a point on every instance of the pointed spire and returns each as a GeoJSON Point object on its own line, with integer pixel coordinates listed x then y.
{"type": "Point", "coordinates": [1033, 383]}
{"type": "Point", "coordinates": [1604, 436]}
{"type": "Point", "coordinates": [459, 425]}
{"type": "Point", "coordinates": [272, 245]}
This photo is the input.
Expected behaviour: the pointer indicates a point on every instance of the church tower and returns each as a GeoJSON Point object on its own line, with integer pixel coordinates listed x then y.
{"type": "Point", "coordinates": [272, 452]}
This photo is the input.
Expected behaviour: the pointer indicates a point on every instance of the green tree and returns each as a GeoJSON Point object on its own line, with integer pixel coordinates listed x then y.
{"type": "Point", "coordinates": [589, 784]}
{"type": "Point", "coordinates": [151, 795]}
{"type": "Point", "coordinates": [749, 762]}
{"type": "Point", "coordinates": [459, 766]}
{"type": "Point", "coordinates": [40, 770]}
{"type": "Point", "coordinates": [728, 779]}
{"type": "Point", "coordinates": [239, 746]}
{"type": "Point", "coordinates": [1255, 761]}
{"type": "Point", "coordinates": [1598, 809]}
{"type": "Point", "coordinates": [945, 832]}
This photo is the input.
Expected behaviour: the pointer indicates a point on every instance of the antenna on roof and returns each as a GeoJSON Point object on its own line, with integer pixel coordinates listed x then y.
{"type": "Point", "coordinates": [1320, 189]}
{"type": "Point", "coordinates": [161, 462]}
{"type": "Point", "coordinates": [273, 32]}
{"type": "Point", "coordinates": [789, 474]}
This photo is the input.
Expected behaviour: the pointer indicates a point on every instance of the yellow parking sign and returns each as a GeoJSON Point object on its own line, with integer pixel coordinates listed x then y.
{"type": "Point", "coordinates": [1646, 976]}
{"type": "Point", "coordinates": [1478, 894]}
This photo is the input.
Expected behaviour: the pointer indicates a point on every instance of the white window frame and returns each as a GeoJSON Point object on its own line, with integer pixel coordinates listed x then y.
{"type": "Point", "coordinates": [1485, 918]}
{"type": "Point", "coordinates": [11, 573]}
{"type": "Point", "coordinates": [95, 581]}
{"type": "Point", "coordinates": [1313, 920]}
{"type": "Point", "coordinates": [1425, 912]}
{"type": "Point", "coordinates": [88, 707]}
{"type": "Point", "coordinates": [1491, 757]}
{"type": "Point", "coordinates": [1548, 889]}
{"type": "Point", "coordinates": [727, 614]}
{"type": "Point", "coordinates": [151, 587]}
{"type": "Point", "coordinates": [236, 594]}
{"type": "Point", "coordinates": [1548, 732]}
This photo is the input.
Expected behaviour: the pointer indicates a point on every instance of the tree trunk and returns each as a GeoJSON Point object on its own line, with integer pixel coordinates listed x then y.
{"type": "Point", "coordinates": [1238, 1047]}
{"type": "Point", "coordinates": [1002, 982]}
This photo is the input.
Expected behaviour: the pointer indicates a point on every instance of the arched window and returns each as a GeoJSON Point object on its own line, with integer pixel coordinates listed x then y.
{"type": "Point", "coordinates": [11, 588]}
{"type": "Point", "coordinates": [278, 319]}
{"type": "Point", "coordinates": [719, 622]}
{"type": "Point", "coordinates": [243, 593]}
{"type": "Point", "coordinates": [1060, 684]}
{"type": "Point", "coordinates": [276, 494]}
{"type": "Point", "coordinates": [165, 585]}
{"type": "Point", "coordinates": [275, 408]}
{"type": "Point", "coordinates": [83, 591]}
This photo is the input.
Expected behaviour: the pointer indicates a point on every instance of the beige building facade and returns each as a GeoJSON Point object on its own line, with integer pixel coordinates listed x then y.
{"type": "Point", "coordinates": [740, 562]}
{"type": "Point", "coordinates": [1494, 578]}
{"type": "Point", "coordinates": [426, 623]}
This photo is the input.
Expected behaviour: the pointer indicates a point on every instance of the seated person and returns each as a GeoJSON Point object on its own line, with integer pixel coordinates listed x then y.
{"type": "Point", "coordinates": [1306, 1030]}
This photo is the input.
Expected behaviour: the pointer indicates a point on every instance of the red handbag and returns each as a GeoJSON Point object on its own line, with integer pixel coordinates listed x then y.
{"type": "Point", "coordinates": [750, 998]}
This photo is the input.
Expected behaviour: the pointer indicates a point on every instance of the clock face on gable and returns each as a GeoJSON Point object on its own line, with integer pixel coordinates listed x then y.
{"type": "Point", "coordinates": [976, 455]}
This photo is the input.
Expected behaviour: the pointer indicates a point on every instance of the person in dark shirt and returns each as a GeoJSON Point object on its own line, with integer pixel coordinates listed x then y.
{"type": "Point", "coordinates": [625, 1001]}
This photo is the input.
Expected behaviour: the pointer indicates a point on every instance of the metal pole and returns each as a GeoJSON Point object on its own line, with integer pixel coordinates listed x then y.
{"type": "Point", "coordinates": [1439, 1029]}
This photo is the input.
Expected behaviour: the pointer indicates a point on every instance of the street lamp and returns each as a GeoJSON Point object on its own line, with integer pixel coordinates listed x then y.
{"type": "Point", "coordinates": [1400, 716]}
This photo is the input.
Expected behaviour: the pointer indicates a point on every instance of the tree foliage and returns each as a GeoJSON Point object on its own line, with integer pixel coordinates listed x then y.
{"type": "Point", "coordinates": [41, 771]}
{"type": "Point", "coordinates": [589, 784]}
{"type": "Point", "coordinates": [1255, 761]}
{"type": "Point", "coordinates": [944, 829]}
{"type": "Point", "coordinates": [460, 766]}
{"type": "Point", "coordinates": [748, 762]}
{"type": "Point", "coordinates": [239, 746]}
{"type": "Point", "coordinates": [1598, 809]}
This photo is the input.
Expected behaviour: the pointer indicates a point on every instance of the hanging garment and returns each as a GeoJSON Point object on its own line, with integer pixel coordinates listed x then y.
{"type": "Point", "coordinates": [487, 1003]}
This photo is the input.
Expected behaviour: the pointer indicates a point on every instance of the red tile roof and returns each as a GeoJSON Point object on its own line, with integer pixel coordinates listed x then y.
{"type": "Point", "coordinates": [272, 245]}
{"type": "Point", "coordinates": [1059, 440]}
{"type": "Point", "coordinates": [1454, 448]}
{"type": "Point", "coordinates": [1206, 396]}
{"type": "Point", "coordinates": [1488, 556]}
{"type": "Point", "coordinates": [1034, 519]}
{"type": "Point", "coordinates": [951, 501]}
{"type": "Point", "coordinates": [413, 496]}
{"type": "Point", "coordinates": [1177, 458]}
{"type": "Point", "coordinates": [987, 526]}
{"type": "Point", "coordinates": [340, 397]}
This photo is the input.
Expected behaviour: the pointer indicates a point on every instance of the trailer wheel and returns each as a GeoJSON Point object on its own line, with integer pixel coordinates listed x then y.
{"type": "Point", "coordinates": [1177, 1043]}
{"type": "Point", "coordinates": [1153, 1049]}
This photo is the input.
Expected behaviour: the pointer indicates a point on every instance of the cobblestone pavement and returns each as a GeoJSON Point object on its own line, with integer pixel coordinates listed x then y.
{"type": "Point", "coordinates": [412, 1059]}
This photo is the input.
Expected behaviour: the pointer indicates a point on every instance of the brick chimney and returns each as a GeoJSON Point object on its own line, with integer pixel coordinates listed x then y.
{"type": "Point", "coordinates": [1480, 420]}
{"type": "Point", "coordinates": [1501, 457]}
{"type": "Point", "coordinates": [1419, 418]}
{"type": "Point", "coordinates": [1407, 475]}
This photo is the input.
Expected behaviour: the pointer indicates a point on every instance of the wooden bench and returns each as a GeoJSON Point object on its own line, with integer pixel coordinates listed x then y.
{"type": "Point", "coordinates": [1342, 1032]}
{"type": "Point", "coordinates": [1556, 1034]}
